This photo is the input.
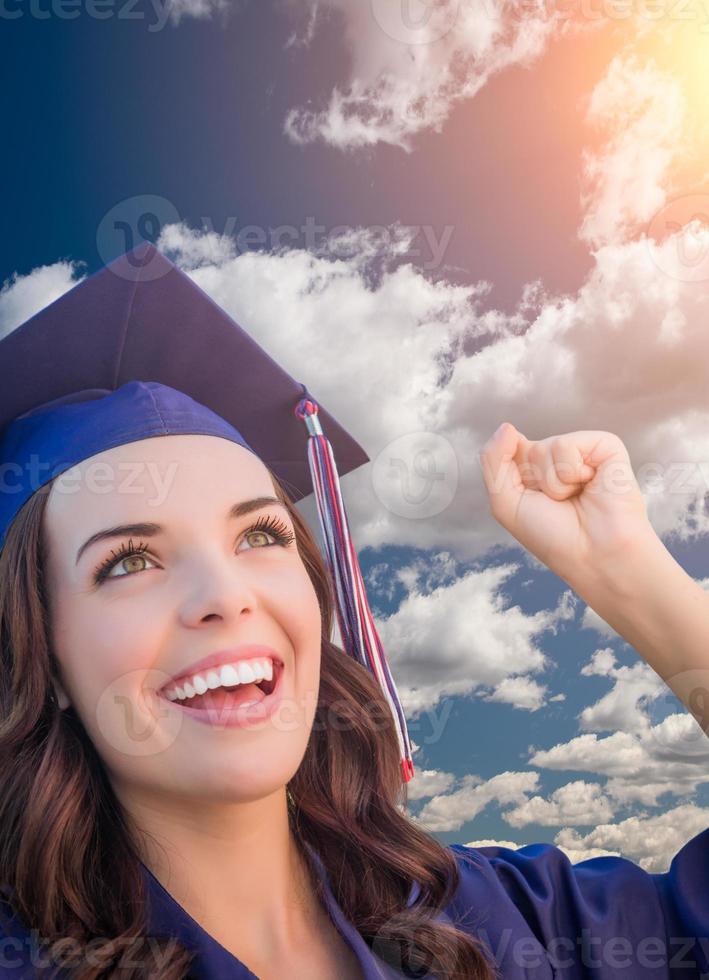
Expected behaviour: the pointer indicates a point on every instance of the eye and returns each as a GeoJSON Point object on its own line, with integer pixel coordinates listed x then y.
{"type": "Point", "coordinates": [271, 527]}
{"type": "Point", "coordinates": [126, 553]}
{"type": "Point", "coordinates": [266, 527]}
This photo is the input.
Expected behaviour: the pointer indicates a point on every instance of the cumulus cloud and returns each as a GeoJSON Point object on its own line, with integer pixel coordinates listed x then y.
{"type": "Point", "coordinates": [460, 637]}
{"type": "Point", "coordinates": [179, 10]}
{"type": "Point", "coordinates": [521, 692]}
{"type": "Point", "coordinates": [649, 841]}
{"type": "Point", "coordinates": [448, 812]}
{"type": "Point", "coordinates": [411, 64]}
{"type": "Point", "coordinates": [618, 710]}
{"type": "Point", "coordinates": [574, 854]}
{"type": "Point", "coordinates": [429, 782]}
{"type": "Point", "coordinates": [625, 182]}
{"type": "Point", "coordinates": [576, 804]}
{"type": "Point", "coordinates": [671, 758]}
{"type": "Point", "coordinates": [21, 296]}
{"type": "Point", "coordinates": [653, 749]}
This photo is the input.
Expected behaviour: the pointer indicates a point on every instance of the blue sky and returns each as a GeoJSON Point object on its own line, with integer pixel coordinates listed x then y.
{"type": "Point", "coordinates": [532, 159]}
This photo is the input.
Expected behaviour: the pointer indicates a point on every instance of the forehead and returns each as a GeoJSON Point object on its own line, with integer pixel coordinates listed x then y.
{"type": "Point", "coordinates": [160, 475]}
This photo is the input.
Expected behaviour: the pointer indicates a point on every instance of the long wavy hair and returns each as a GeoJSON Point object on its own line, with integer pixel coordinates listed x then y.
{"type": "Point", "coordinates": [69, 864]}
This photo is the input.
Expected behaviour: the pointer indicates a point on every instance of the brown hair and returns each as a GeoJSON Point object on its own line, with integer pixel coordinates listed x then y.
{"type": "Point", "coordinates": [68, 859]}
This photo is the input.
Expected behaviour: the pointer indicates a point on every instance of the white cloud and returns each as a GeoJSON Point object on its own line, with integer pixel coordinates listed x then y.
{"type": "Point", "coordinates": [521, 692]}
{"type": "Point", "coordinates": [625, 182]}
{"type": "Point", "coordinates": [429, 782]}
{"type": "Point", "coordinates": [23, 296]}
{"type": "Point", "coordinates": [651, 842]}
{"type": "Point", "coordinates": [576, 803]}
{"type": "Point", "coordinates": [411, 64]}
{"type": "Point", "coordinates": [652, 750]}
{"type": "Point", "coordinates": [459, 637]}
{"type": "Point", "coordinates": [601, 664]}
{"type": "Point", "coordinates": [573, 854]}
{"type": "Point", "coordinates": [197, 9]}
{"type": "Point", "coordinates": [191, 249]}
{"type": "Point", "coordinates": [619, 709]}
{"type": "Point", "coordinates": [671, 757]}
{"type": "Point", "coordinates": [447, 813]}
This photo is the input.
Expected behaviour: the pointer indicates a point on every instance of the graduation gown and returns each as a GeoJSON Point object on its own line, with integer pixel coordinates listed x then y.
{"type": "Point", "coordinates": [541, 917]}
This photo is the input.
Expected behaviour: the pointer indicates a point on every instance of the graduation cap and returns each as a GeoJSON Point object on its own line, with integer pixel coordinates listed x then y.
{"type": "Point", "coordinates": [138, 350]}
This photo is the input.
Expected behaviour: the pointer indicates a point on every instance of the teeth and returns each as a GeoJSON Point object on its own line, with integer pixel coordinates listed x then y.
{"type": "Point", "coordinates": [243, 672]}
{"type": "Point", "coordinates": [199, 684]}
{"type": "Point", "coordinates": [228, 675]}
{"type": "Point", "coordinates": [246, 674]}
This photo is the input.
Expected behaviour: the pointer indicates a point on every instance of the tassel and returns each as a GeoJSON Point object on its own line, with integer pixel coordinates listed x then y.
{"type": "Point", "coordinates": [359, 634]}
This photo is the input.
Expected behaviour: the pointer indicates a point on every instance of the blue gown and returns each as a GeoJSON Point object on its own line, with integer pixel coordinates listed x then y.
{"type": "Point", "coordinates": [541, 917]}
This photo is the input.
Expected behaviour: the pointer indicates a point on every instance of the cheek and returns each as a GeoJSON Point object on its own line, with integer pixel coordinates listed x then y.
{"type": "Point", "coordinates": [300, 611]}
{"type": "Point", "coordinates": [99, 646]}
{"type": "Point", "coordinates": [298, 614]}
{"type": "Point", "coordinates": [107, 658]}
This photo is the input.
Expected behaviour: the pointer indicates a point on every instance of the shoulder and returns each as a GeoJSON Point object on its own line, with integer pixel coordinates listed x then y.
{"type": "Point", "coordinates": [605, 912]}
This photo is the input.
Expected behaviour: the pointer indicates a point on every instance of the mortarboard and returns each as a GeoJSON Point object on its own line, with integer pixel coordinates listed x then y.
{"type": "Point", "coordinates": [139, 350]}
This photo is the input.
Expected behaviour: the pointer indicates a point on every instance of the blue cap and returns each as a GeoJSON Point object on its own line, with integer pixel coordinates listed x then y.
{"type": "Point", "coordinates": [138, 350]}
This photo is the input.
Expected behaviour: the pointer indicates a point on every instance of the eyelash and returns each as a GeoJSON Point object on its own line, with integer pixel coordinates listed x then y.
{"type": "Point", "coordinates": [272, 525]}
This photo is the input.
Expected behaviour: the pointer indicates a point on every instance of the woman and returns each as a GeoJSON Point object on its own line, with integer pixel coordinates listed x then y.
{"type": "Point", "coordinates": [164, 814]}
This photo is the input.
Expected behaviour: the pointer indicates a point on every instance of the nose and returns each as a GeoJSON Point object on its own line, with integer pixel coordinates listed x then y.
{"type": "Point", "coordinates": [215, 586]}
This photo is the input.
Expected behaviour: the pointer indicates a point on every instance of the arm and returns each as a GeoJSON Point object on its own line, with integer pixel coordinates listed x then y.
{"type": "Point", "coordinates": [573, 502]}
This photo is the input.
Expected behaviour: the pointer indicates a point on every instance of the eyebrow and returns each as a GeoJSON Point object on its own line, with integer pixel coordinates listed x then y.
{"type": "Point", "coordinates": [148, 530]}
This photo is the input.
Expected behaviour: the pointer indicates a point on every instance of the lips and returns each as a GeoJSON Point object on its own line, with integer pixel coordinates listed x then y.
{"type": "Point", "coordinates": [232, 696]}
{"type": "Point", "coordinates": [239, 706]}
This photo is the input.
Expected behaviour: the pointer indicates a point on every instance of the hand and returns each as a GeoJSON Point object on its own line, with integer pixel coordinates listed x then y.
{"type": "Point", "coordinates": [572, 500]}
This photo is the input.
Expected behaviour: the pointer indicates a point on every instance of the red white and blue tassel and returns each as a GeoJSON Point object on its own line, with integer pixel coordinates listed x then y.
{"type": "Point", "coordinates": [359, 634]}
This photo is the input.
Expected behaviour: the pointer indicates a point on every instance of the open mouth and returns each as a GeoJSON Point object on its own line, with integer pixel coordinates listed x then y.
{"type": "Point", "coordinates": [227, 697]}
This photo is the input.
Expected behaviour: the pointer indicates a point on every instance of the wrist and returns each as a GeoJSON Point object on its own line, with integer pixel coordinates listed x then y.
{"type": "Point", "coordinates": [653, 604]}
{"type": "Point", "coordinates": [624, 574]}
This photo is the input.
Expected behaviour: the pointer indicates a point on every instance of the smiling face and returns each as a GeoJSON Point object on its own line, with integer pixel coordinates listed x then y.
{"type": "Point", "coordinates": [135, 610]}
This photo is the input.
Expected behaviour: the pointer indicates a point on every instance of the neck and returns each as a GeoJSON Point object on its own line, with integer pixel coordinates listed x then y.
{"type": "Point", "coordinates": [236, 869]}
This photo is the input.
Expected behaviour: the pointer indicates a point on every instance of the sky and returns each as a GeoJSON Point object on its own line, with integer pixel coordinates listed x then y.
{"type": "Point", "coordinates": [443, 216]}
